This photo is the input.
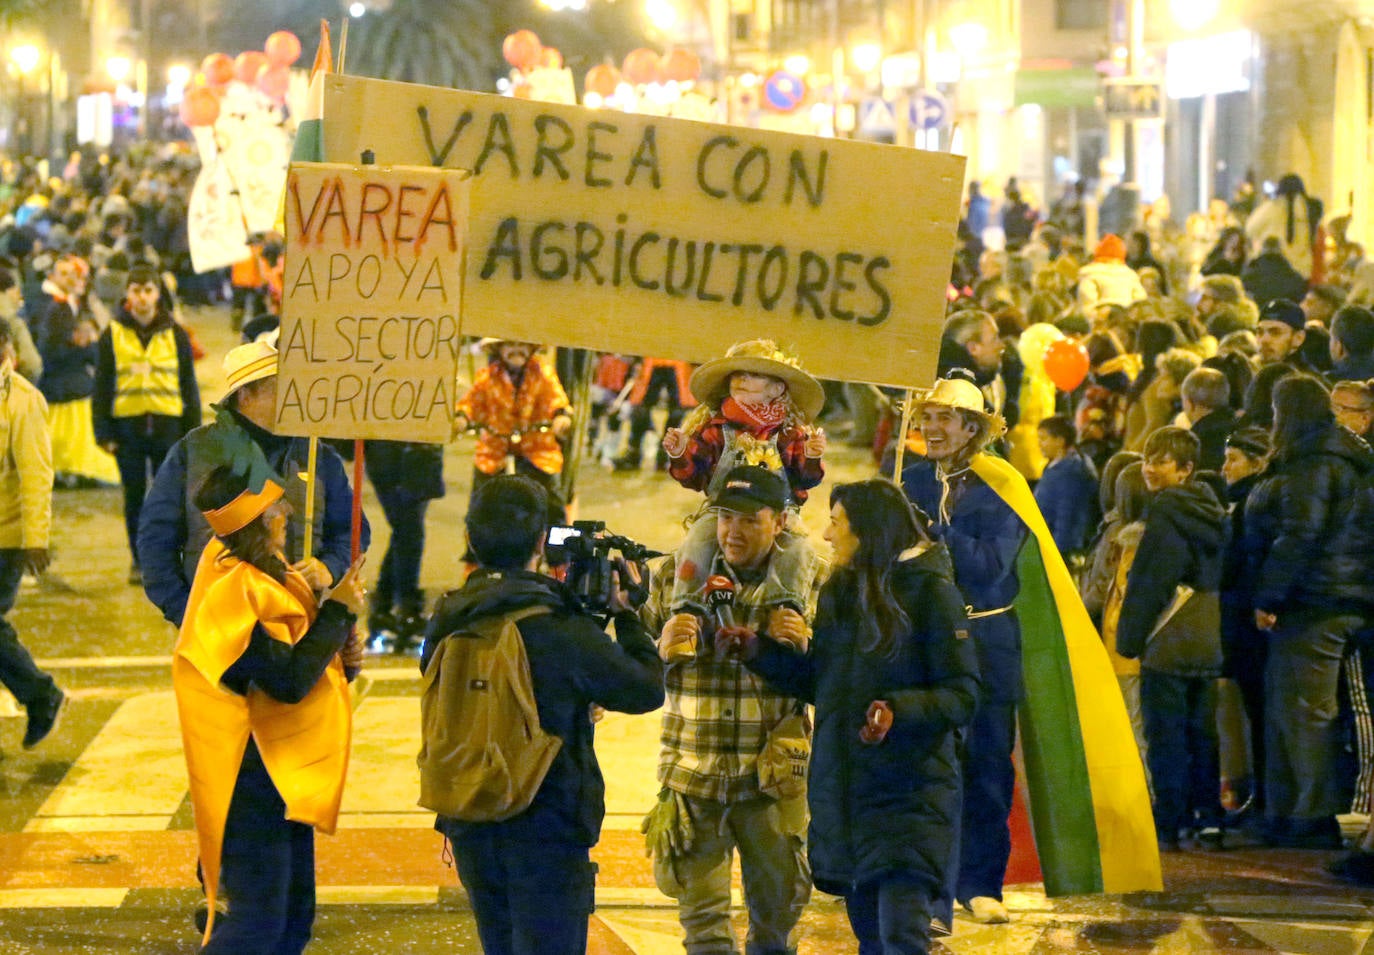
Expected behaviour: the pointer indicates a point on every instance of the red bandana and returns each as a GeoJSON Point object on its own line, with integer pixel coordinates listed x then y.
{"type": "Point", "coordinates": [767, 417]}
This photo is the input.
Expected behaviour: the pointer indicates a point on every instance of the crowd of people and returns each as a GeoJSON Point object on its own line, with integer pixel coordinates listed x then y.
{"type": "Point", "coordinates": [1221, 428]}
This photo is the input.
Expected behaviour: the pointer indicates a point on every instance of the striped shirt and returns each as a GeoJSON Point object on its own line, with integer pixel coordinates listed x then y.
{"type": "Point", "coordinates": [717, 713]}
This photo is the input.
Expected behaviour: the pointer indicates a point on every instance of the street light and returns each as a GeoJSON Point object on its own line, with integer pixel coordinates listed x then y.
{"type": "Point", "coordinates": [25, 59]}
{"type": "Point", "coordinates": [866, 57]}
{"type": "Point", "coordinates": [178, 75]}
{"type": "Point", "coordinates": [661, 13]}
{"type": "Point", "coordinates": [119, 68]}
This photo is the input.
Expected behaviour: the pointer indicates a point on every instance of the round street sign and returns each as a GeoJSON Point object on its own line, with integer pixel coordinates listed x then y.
{"type": "Point", "coordinates": [929, 110]}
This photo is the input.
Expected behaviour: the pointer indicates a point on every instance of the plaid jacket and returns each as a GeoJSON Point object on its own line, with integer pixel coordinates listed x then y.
{"type": "Point", "coordinates": [717, 713]}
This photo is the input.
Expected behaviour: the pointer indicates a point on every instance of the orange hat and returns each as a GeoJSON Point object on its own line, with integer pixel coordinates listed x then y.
{"type": "Point", "coordinates": [1111, 248]}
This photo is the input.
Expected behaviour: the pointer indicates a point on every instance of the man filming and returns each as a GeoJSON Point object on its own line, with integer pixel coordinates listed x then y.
{"type": "Point", "coordinates": [529, 877]}
{"type": "Point", "coordinates": [716, 724]}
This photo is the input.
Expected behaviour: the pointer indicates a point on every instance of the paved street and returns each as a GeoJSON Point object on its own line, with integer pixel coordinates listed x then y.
{"type": "Point", "coordinates": [97, 851]}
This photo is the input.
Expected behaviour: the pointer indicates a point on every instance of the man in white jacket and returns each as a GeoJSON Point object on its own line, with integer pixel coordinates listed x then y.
{"type": "Point", "coordinates": [1107, 279]}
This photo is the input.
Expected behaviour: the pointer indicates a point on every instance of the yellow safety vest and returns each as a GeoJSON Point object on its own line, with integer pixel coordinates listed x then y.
{"type": "Point", "coordinates": [146, 379]}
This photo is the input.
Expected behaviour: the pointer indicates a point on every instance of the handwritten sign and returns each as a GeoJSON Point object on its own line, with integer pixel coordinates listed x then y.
{"type": "Point", "coordinates": [370, 303]}
{"type": "Point", "coordinates": [668, 237]}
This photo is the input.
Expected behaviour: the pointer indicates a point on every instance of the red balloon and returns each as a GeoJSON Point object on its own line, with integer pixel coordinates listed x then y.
{"type": "Point", "coordinates": [273, 82]}
{"type": "Point", "coordinates": [248, 64]}
{"type": "Point", "coordinates": [200, 107]}
{"type": "Point", "coordinates": [681, 65]}
{"type": "Point", "coordinates": [218, 69]}
{"type": "Point", "coordinates": [550, 58]}
{"type": "Point", "coordinates": [522, 49]}
{"type": "Point", "coordinates": [642, 66]}
{"type": "Point", "coordinates": [602, 80]}
{"type": "Point", "coordinates": [282, 48]}
{"type": "Point", "coordinates": [1066, 364]}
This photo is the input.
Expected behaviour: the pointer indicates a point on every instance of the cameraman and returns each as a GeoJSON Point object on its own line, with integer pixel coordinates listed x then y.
{"type": "Point", "coordinates": [530, 878]}
{"type": "Point", "coordinates": [715, 726]}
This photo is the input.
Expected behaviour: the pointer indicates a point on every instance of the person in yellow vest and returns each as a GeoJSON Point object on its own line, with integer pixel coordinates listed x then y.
{"type": "Point", "coordinates": [260, 673]}
{"type": "Point", "coordinates": [146, 398]}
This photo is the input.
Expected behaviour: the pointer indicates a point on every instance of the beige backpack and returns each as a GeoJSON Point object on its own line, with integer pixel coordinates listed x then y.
{"type": "Point", "coordinates": [483, 754]}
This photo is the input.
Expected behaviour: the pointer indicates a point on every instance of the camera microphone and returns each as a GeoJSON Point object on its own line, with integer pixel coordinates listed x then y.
{"type": "Point", "coordinates": [720, 597]}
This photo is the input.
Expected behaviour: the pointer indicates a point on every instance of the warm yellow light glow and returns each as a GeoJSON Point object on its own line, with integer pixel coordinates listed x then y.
{"type": "Point", "coordinates": [798, 64]}
{"type": "Point", "coordinates": [25, 57]}
{"type": "Point", "coordinates": [968, 39]}
{"type": "Point", "coordinates": [119, 68]}
{"type": "Point", "coordinates": [866, 57]}
{"type": "Point", "coordinates": [1194, 14]}
{"type": "Point", "coordinates": [178, 75]}
{"type": "Point", "coordinates": [661, 13]}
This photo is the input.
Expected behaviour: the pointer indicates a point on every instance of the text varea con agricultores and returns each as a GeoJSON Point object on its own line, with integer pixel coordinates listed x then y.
{"type": "Point", "coordinates": [652, 235]}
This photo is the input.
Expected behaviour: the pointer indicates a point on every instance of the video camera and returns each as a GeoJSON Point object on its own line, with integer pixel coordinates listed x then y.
{"type": "Point", "coordinates": [591, 555]}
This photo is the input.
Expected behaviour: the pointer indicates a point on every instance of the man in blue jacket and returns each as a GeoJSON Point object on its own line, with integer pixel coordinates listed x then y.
{"type": "Point", "coordinates": [172, 532]}
{"type": "Point", "coordinates": [984, 536]}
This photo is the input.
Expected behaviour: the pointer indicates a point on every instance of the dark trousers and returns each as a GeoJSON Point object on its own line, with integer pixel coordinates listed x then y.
{"type": "Point", "coordinates": [890, 916]}
{"type": "Point", "coordinates": [138, 456]}
{"type": "Point", "coordinates": [982, 842]}
{"type": "Point", "coordinates": [529, 898]}
{"type": "Point", "coordinates": [267, 873]}
{"type": "Point", "coordinates": [398, 583]}
{"type": "Point", "coordinates": [18, 672]}
{"type": "Point", "coordinates": [1181, 732]}
{"type": "Point", "coordinates": [662, 387]}
{"type": "Point", "coordinates": [1247, 669]}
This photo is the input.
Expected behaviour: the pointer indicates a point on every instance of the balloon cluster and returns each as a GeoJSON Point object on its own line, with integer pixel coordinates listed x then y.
{"type": "Point", "coordinates": [524, 51]}
{"type": "Point", "coordinates": [267, 70]}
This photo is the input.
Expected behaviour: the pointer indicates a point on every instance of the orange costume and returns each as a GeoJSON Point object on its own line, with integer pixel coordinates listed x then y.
{"type": "Point", "coordinates": [496, 403]}
{"type": "Point", "coordinates": [304, 746]}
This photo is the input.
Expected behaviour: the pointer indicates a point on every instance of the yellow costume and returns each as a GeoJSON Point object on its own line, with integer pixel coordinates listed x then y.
{"type": "Point", "coordinates": [304, 745]}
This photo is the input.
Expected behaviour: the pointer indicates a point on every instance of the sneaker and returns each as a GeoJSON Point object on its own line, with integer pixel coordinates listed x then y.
{"type": "Point", "coordinates": [986, 910]}
{"type": "Point", "coordinates": [939, 928]}
{"type": "Point", "coordinates": [1211, 838]}
{"type": "Point", "coordinates": [43, 717]}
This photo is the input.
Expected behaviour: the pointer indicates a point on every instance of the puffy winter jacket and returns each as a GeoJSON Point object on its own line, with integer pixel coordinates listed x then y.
{"type": "Point", "coordinates": [1309, 526]}
{"type": "Point", "coordinates": [890, 807]}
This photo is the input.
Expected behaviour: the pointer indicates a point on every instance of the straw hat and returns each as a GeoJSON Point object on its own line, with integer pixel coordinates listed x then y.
{"type": "Point", "coordinates": [249, 362]}
{"type": "Point", "coordinates": [963, 395]}
{"type": "Point", "coordinates": [711, 382]}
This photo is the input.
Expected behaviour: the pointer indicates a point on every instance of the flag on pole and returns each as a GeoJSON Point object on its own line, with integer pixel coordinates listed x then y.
{"type": "Point", "coordinates": [309, 145]}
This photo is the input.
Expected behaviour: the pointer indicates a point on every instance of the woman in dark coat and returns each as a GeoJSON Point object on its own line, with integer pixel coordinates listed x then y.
{"type": "Point", "coordinates": [892, 674]}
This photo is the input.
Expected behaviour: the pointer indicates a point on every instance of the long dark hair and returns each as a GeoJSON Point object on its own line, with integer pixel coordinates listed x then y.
{"type": "Point", "coordinates": [1153, 338]}
{"type": "Point", "coordinates": [1302, 407]}
{"type": "Point", "coordinates": [251, 543]}
{"type": "Point", "coordinates": [886, 524]}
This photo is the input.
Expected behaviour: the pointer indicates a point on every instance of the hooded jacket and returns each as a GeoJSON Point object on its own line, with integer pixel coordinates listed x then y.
{"type": "Point", "coordinates": [889, 808]}
{"type": "Point", "coordinates": [1309, 526]}
{"type": "Point", "coordinates": [573, 664]}
{"type": "Point", "coordinates": [1184, 542]}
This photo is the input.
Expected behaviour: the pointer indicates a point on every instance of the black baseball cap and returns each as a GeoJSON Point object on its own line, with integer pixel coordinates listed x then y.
{"type": "Point", "coordinates": [750, 488]}
{"type": "Point", "coordinates": [1282, 310]}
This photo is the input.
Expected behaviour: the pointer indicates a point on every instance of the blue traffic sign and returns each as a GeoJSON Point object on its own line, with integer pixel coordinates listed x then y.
{"type": "Point", "coordinates": [928, 110]}
{"type": "Point", "coordinates": [876, 117]}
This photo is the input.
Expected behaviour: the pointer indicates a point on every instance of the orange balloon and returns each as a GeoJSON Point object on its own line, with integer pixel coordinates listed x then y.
{"type": "Point", "coordinates": [273, 82]}
{"type": "Point", "coordinates": [218, 69]}
{"type": "Point", "coordinates": [1066, 364]}
{"type": "Point", "coordinates": [248, 64]}
{"type": "Point", "coordinates": [550, 58]}
{"type": "Point", "coordinates": [283, 48]}
{"type": "Point", "coordinates": [681, 65]}
{"type": "Point", "coordinates": [200, 107]}
{"type": "Point", "coordinates": [602, 80]}
{"type": "Point", "coordinates": [642, 66]}
{"type": "Point", "coordinates": [522, 49]}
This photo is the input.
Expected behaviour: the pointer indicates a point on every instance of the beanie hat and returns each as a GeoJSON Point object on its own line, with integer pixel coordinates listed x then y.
{"type": "Point", "coordinates": [1252, 441]}
{"type": "Point", "coordinates": [1111, 248]}
{"type": "Point", "coordinates": [1282, 310]}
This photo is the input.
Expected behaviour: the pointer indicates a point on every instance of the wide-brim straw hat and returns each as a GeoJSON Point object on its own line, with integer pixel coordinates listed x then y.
{"type": "Point", "coordinates": [963, 395]}
{"type": "Point", "coordinates": [249, 362]}
{"type": "Point", "coordinates": [711, 382]}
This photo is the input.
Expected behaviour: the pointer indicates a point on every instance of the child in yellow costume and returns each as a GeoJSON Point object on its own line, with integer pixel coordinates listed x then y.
{"type": "Point", "coordinates": [263, 700]}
